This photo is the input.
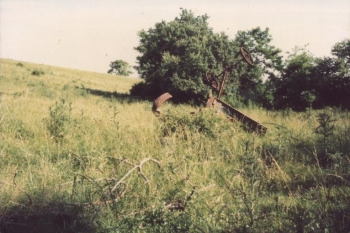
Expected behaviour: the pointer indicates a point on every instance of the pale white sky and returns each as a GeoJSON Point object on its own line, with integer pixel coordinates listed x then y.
{"type": "Point", "coordinates": [89, 34]}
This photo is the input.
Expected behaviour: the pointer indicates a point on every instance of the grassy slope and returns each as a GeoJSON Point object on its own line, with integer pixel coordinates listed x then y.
{"type": "Point", "coordinates": [69, 137]}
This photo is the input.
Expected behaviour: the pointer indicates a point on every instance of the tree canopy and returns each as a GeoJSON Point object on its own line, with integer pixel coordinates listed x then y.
{"type": "Point", "coordinates": [120, 67]}
{"type": "Point", "coordinates": [308, 81]}
{"type": "Point", "coordinates": [175, 57]}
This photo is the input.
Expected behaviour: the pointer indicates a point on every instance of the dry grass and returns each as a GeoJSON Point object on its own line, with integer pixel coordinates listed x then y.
{"type": "Point", "coordinates": [87, 169]}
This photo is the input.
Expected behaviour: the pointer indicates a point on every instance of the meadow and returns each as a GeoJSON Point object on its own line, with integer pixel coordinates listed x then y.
{"type": "Point", "coordinates": [79, 154]}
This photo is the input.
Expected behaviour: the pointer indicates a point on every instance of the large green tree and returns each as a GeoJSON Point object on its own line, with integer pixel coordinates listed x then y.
{"type": "Point", "coordinates": [258, 82]}
{"type": "Point", "coordinates": [174, 57]}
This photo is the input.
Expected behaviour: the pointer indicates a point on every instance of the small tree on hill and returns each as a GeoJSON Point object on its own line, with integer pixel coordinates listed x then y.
{"type": "Point", "coordinates": [120, 67]}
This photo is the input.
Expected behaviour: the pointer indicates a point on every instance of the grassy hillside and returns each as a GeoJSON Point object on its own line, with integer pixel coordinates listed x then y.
{"type": "Point", "coordinates": [78, 154]}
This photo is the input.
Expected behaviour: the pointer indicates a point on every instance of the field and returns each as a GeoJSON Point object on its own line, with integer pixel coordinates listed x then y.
{"type": "Point", "coordinates": [79, 154]}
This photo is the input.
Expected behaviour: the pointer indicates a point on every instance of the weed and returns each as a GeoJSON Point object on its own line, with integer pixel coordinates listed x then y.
{"type": "Point", "coordinates": [37, 72]}
{"type": "Point", "coordinates": [325, 130]}
{"type": "Point", "coordinates": [59, 119]}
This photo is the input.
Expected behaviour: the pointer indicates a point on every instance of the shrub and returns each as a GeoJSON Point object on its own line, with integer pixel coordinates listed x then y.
{"type": "Point", "coordinates": [38, 72]}
{"type": "Point", "coordinates": [60, 117]}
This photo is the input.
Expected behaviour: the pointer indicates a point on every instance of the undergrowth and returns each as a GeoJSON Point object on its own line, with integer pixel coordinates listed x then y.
{"type": "Point", "coordinates": [86, 161]}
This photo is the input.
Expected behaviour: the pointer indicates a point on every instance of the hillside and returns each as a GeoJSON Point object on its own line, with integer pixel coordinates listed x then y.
{"type": "Point", "coordinates": [79, 154]}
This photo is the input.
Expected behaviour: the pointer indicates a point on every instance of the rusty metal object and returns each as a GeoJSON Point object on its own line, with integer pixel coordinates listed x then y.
{"type": "Point", "coordinates": [247, 57]}
{"type": "Point", "coordinates": [210, 102]}
{"type": "Point", "coordinates": [212, 80]}
{"type": "Point", "coordinates": [159, 101]}
{"type": "Point", "coordinates": [250, 124]}
{"type": "Point", "coordinates": [223, 107]}
{"type": "Point", "coordinates": [218, 104]}
{"type": "Point", "coordinates": [223, 82]}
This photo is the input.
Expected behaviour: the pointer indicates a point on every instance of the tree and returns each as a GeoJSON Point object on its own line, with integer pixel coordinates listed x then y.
{"type": "Point", "coordinates": [295, 81]}
{"type": "Point", "coordinates": [259, 80]}
{"type": "Point", "coordinates": [318, 82]}
{"type": "Point", "coordinates": [342, 50]}
{"type": "Point", "coordinates": [175, 56]}
{"type": "Point", "coordinates": [120, 67]}
{"type": "Point", "coordinates": [331, 78]}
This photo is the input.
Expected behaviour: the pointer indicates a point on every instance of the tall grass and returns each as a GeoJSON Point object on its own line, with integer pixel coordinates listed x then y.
{"type": "Point", "coordinates": [78, 154]}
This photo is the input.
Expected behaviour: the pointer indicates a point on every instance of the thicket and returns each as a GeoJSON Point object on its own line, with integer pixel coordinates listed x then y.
{"type": "Point", "coordinates": [310, 82]}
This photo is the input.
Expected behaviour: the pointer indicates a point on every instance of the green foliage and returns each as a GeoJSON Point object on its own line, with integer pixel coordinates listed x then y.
{"type": "Point", "coordinates": [308, 96]}
{"type": "Point", "coordinates": [180, 123]}
{"type": "Point", "coordinates": [342, 50]}
{"type": "Point", "coordinates": [325, 130]}
{"type": "Point", "coordinates": [257, 82]}
{"type": "Point", "coordinates": [295, 80]}
{"type": "Point", "coordinates": [59, 119]}
{"type": "Point", "coordinates": [119, 67]}
{"type": "Point", "coordinates": [37, 72]}
{"type": "Point", "coordinates": [314, 82]}
{"type": "Point", "coordinates": [142, 90]}
{"type": "Point", "coordinates": [175, 56]}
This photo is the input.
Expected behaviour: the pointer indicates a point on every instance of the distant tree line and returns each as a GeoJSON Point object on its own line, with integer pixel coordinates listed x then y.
{"type": "Point", "coordinates": [308, 81]}
{"type": "Point", "coordinates": [175, 56]}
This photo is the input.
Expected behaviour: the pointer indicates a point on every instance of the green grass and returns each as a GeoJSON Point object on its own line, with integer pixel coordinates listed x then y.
{"type": "Point", "coordinates": [78, 154]}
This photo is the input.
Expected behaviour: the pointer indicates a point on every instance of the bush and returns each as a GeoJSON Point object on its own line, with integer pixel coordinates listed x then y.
{"type": "Point", "coordinates": [38, 72]}
{"type": "Point", "coordinates": [60, 117]}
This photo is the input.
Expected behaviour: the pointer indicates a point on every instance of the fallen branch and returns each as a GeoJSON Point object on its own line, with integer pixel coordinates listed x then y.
{"type": "Point", "coordinates": [81, 181]}
{"type": "Point", "coordinates": [139, 168]}
{"type": "Point", "coordinates": [15, 184]}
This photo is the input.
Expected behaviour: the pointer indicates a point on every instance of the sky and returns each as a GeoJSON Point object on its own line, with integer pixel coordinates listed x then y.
{"type": "Point", "coordinates": [90, 34]}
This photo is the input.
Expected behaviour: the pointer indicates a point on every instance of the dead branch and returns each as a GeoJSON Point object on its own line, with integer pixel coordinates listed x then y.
{"type": "Point", "coordinates": [15, 184]}
{"type": "Point", "coordinates": [81, 181]}
{"type": "Point", "coordinates": [139, 168]}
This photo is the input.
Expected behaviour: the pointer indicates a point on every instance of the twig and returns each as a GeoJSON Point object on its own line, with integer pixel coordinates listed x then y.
{"type": "Point", "coordinates": [7, 183]}
{"type": "Point", "coordinates": [97, 212]}
{"type": "Point", "coordinates": [121, 160]}
{"type": "Point", "coordinates": [14, 178]}
{"type": "Point", "coordinates": [139, 168]}
{"type": "Point", "coordinates": [15, 184]}
{"type": "Point", "coordinates": [81, 181]}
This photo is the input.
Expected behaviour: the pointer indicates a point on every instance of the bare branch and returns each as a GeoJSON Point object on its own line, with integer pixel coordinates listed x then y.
{"type": "Point", "coordinates": [139, 168]}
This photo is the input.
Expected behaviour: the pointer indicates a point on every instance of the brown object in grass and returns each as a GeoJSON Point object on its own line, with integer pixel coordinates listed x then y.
{"type": "Point", "coordinates": [159, 101]}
